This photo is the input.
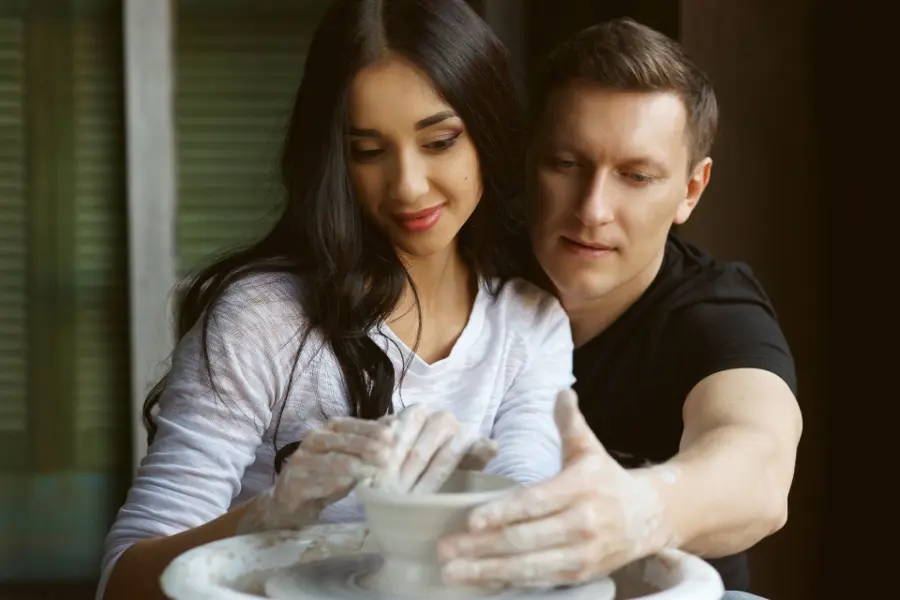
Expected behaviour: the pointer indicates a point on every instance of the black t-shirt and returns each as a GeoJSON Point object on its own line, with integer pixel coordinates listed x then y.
{"type": "Point", "coordinates": [698, 317]}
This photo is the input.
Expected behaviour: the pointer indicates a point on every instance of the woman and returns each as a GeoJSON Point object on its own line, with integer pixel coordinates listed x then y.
{"type": "Point", "coordinates": [389, 281]}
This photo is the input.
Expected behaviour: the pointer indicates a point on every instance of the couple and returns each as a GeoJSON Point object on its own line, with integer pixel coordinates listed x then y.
{"type": "Point", "coordinates": [394, 320]}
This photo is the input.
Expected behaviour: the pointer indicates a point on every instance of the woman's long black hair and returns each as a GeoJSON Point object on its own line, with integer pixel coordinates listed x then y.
{"type": "Point", "coordinates": [352, 277]}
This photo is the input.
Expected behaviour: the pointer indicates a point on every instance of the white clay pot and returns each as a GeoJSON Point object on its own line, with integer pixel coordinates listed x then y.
{"type": "Point", "coordinates": [406, 527]}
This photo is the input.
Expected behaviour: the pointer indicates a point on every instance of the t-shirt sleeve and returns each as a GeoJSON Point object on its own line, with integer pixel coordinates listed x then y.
{"type": "Point", "coordinates": [530, 449]}
{"type": "Point", "coordinates": [208, 434]}
{"type": "Point", "coordinates": [711, 337]}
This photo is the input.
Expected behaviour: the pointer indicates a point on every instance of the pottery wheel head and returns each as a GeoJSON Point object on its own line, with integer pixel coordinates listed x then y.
{"type": "Point", "coordinates": [346, 578]}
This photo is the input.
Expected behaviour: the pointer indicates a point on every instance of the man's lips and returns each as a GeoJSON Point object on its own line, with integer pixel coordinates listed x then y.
{"type": "Point", "coordinates": [588, 245]}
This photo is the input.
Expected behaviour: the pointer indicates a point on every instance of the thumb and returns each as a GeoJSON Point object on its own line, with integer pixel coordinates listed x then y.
{"type": "Point", "coordinates": [576, 435]}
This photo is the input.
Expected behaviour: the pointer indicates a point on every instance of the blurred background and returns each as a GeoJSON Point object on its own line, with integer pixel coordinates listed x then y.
{"type": "Point", "coordinates": [138, 137]}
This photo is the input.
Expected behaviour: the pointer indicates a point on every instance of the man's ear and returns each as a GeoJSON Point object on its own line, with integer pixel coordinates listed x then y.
{"type": "Point", "coordinates": [697, 183]}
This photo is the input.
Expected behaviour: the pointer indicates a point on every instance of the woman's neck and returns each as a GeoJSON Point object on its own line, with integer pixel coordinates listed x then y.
{"type": "Point", "coordinates": [446, 292]}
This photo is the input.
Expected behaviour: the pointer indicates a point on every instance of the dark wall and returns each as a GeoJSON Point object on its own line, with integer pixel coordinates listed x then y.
{"type": "Point", "coordinates": [761, 207]}
{"type": "Point", "coordinates": [549, 22]}
{"type": "Point", "coordinates": [532, 28]}
{"type": "Point", "coordinates": [856, 128]}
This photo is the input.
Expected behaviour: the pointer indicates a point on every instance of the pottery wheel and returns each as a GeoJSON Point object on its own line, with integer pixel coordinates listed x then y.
{"type": "Point", "coordinates": [332, 562]}
{"type": "Point", "coordinates": [344, 577]}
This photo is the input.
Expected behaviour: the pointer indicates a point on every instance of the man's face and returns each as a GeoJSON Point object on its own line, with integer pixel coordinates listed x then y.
{"type": "Point", "coordinates": [611, 176]}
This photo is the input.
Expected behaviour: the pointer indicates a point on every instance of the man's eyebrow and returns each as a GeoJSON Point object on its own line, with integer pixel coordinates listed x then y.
{"type": "Point", "coordinates": [647, 162]}
{"type": "Point", "coordinates": [421, 124]}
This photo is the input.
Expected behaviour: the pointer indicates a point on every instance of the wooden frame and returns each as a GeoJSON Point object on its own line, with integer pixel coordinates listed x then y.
{"type": "Point", "coordinates": [152, 194]}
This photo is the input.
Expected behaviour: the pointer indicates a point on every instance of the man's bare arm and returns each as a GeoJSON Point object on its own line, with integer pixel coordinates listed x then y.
{"type": "Point", "coordinates": [728, 486]}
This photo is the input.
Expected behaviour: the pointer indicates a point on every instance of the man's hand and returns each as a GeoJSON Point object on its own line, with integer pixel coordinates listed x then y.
{"type": "Point", "coordinates": [591, 519]}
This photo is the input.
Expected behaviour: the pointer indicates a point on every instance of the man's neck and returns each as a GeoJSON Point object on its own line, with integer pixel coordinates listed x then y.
{"type": "Point", "coordinates": [590, 317]}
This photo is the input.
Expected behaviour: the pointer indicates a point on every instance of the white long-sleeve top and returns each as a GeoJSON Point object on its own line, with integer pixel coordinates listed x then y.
{"type": "Point", "coordinates": [212, 451]}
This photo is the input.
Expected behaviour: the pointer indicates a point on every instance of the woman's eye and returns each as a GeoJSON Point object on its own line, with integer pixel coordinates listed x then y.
{"type": "Point", "coordinates": [366, 154]}
{"type": "Point", "coordinates": [443, 143]}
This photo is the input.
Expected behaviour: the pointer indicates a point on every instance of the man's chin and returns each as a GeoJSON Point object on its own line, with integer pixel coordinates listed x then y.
{"type": "Point", "coordinates": [581, 291]}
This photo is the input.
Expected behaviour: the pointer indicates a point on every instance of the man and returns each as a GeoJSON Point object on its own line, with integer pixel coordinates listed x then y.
{"type": "Point", "coordinates": [683, 374]}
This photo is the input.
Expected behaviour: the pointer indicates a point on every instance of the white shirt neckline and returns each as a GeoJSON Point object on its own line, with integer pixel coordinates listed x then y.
{"type": "Point", "coordinates": [457, 356]}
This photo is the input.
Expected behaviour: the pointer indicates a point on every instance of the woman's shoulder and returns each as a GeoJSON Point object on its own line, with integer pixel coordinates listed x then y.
{"type": "Point", "coordinates": [260, 313]}
{"type": "Point", "coordinates": [261, 296]}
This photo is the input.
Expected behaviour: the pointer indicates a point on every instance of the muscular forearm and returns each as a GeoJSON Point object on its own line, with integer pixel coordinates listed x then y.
{"type": "Point", "coordinates": [723, 493]}
{"type": "Point", "coordinates": [136, 574]}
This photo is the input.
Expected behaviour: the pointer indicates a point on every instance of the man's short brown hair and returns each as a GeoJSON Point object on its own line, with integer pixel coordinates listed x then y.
{"type": "Point", "coordinates": [623, 55]}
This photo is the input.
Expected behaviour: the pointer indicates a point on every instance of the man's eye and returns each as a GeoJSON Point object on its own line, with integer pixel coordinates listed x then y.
{"type": "Point", "coordinates": [639, 178]}
{"type": "Point", "coordinates": [564, 163]}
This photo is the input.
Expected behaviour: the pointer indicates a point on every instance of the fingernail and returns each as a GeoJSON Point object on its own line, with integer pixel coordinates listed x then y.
{"type": "Point", "coordinates": [479, 522]}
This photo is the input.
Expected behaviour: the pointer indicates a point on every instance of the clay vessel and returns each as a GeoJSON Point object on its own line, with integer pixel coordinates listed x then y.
{"type": "Point", "coordinates": [407, 527]}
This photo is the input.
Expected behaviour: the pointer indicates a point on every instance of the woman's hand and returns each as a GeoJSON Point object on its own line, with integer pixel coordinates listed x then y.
{"type": "Point", "coordinates": [427, 448]}
{"type": "Point", "coordinates": [325, 467]}
{"type": "Point", "coordinates": [412, 452]}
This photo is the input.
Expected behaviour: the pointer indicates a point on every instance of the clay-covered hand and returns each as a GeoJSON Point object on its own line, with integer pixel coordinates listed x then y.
{"type": "Point", "coordinates": [325, 467]}
{"type": "Point", "coordinates": [591, 519]}
{"type": "Point", "coordinates": [429, 446]}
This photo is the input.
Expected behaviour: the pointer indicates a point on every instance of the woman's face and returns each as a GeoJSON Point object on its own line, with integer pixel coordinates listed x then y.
{"type": "Point", "coordinates": [413, 165]}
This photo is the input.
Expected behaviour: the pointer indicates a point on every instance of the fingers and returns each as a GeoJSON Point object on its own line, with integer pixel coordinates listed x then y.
{"type": "Point", "coordinates": [450, 457]}
{"type": "Point", "coordinates": [310, 479]}
{"type": "Point", "coordinates": [427, 447]}
{"type": "Point", "coordinates": [569, 564]}
{"type": "Point", "coordinates": [440, 468]}
{"type": "Point", "coordinates": [480, 454]}
{"type": "Point", "coordinates": [369, 449]}
{"type": "Point", "coordinates": [406, 428]}
{"type": "Point", "coordinates": [575, 524]}
{"type": "Point", "coordinates": [379, 430]}
{"type": "Point", "coordinates": [332, 464]}
{"type": "Point", "coordinates": [329, 462]}
{"type": "Point", "coordinates": [532, 502]}
{"type": "Point", "coordinates": [574, 431]}
{"type": "Point", "coordinates": [435, 453]}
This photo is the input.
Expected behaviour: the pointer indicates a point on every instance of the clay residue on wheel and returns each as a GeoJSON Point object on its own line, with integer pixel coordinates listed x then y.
{"type": "Point", "coordinates": [254, 582]}
{"type": "Point", "coordinates": [275, 538]}
{"type": "Point", "coordinates": [338, 544]}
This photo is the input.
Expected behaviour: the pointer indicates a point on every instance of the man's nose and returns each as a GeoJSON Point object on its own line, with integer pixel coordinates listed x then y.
{"type": "Point", "coordinates": [409, 182]}
{"type": "Point", "coordinates": [596, 206]}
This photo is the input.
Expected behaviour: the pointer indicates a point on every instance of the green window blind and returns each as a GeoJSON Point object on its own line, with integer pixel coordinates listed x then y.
{"type": "Point", "coordinates": [63, 286]}
{"type": "Point", "coordinates": [101, 252]}
{"type": "Point", "coordinates": [238, 65]}
{"type": "Point", "coordinates": [13, 242]}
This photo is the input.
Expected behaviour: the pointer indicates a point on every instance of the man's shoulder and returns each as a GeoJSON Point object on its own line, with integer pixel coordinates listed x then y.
{"type": "Point", "coordinates": [699, 295]}
{"type": "Point", "coordinates": [700, 316]}
{"type": "Point", "coordinates": [693, 277]}
{"type": "Point", "coordinates": [719, 317]}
